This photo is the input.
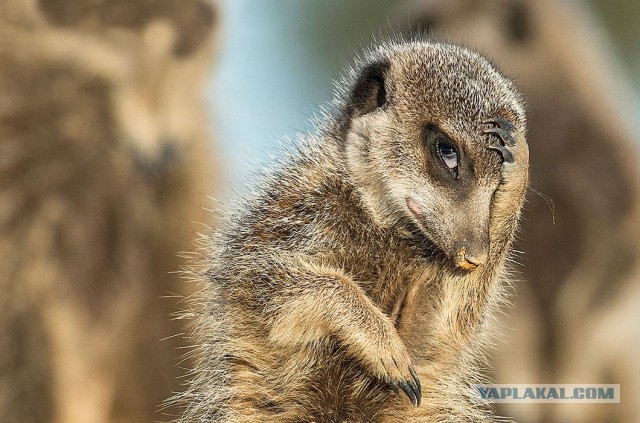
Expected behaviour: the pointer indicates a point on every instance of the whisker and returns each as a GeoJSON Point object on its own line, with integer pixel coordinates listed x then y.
{"type": "Point", "coordinates": [549, 201]}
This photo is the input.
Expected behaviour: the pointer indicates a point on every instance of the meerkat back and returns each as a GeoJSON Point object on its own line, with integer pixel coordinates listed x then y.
{"type": "Point", "coordinates": [359, 283]}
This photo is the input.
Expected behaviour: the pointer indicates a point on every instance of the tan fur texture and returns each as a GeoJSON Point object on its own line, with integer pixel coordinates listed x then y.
{"type": "Point", "coordinates": [580, 243]}
{"type": "Point", "coordinates": [338, 281]}
{"type": "Point", "coordinates": [104, 164]}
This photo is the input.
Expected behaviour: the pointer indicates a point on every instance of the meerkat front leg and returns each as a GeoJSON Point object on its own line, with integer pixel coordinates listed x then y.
{"type": "Point", "coordinates": [331, 303]}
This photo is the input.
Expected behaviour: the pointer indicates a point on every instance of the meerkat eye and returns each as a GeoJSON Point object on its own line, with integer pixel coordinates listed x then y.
{"type": "Point", "coordinates": [449, 156]}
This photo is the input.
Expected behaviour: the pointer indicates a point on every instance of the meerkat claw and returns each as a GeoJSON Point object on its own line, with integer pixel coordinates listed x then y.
{"type": "Point", "coordinates": [417, 382]}
{"type": "Point", "coordinates": [412, 388]}
{"type": "Point", "coordinates": [504, 134]}
{"type": "Point", "coordinates": [506, 154]}
{"type": "Point", "coordinates": [501, 123]}
{"type": "Point", "coordinates": [504, 130]}
{"type": "Point", "coordinates": [410, 391]}
{"type": "Point", "coordinates": [393, 386]}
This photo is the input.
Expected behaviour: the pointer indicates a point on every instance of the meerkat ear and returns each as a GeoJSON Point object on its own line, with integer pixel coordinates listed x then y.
{"type": "Point", "coordinates": [369, 91]}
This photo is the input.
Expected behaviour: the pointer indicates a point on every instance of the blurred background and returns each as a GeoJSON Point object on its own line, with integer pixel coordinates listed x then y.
{"type": "Point", "coordinates": [118, 118]}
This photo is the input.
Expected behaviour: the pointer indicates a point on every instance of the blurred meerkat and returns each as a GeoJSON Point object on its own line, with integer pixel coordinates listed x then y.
{"type": "Point", "coordinates": [580, 259]}
{"type": "Point", "coordinates": [104, 164]}
{"type": "Point", "coordinates": [371, 260]}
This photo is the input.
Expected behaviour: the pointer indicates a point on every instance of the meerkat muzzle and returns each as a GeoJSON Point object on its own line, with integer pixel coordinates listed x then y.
{"type": "Point", "coordinates": [467, 261]}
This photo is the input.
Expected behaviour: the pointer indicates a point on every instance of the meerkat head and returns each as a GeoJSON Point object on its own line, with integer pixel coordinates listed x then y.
{"type": "Point", "coordinates": [416, 147]}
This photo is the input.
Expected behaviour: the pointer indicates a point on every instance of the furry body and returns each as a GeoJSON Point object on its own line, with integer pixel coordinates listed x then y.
{"type": "Point", "coordinates": [338, 280]}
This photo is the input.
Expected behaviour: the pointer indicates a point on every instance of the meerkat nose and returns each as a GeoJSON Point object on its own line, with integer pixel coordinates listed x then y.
{"type": "Point", "coordinates": [475, 260]}
{"type": "Point", "coordinates": [467, 260]}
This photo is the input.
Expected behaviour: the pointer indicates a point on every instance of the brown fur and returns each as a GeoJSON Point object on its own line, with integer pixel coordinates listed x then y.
{"type": "Point", "coordinates": [324, 287]}
{"type": "Point", "coordinates": [103, 165]}
{"type": "Point", "coordinates": [581, 253]}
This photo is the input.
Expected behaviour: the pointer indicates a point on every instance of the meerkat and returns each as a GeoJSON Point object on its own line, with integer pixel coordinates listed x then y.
{"type": "Point", "coordinates": [105, 163]}
{"type": "Point", "coordinates": [579, 239]}
{"type": "Point", "coordinates": [359, 283]}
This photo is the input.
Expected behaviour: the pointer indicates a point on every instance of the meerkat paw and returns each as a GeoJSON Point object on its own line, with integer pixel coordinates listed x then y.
{"type": "Point", "coordinates": [509, 143]}
{"type": "Point", "coordinates": [391, 363]}
{"type": "Point", "coordinates": [505, 141]}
